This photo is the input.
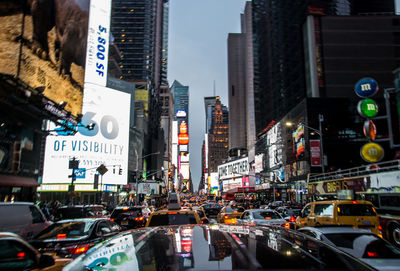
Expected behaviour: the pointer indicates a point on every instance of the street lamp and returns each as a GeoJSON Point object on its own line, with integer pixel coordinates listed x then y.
{"type": "Point", "coordinates": [319, 132]}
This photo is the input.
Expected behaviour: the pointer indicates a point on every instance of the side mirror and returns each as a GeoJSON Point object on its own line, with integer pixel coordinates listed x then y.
{"type": "Point", "coordinates": [46, 260]}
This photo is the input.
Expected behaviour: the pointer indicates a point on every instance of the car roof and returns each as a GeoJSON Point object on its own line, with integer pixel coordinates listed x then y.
{"type": "Point", "coordinates": [222, 246]}
{"type": "Point", "coordinates": [181, 211]}
{"type": "Point", "coordinates": [331, 230]}
{"type": "Point", "coordinates": [17, 203]}
{"type": "Point", "coordinates": [94, 219]}
{"type": "Point", "coordinates": [81, 206]}
{"type": "Point", "coordinates": [341, 201]}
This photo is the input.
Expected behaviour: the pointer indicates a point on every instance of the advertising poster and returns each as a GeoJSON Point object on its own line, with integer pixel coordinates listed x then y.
{"type": "Point", "coordinates": [106, 144]}
{"type": "Point", "coordinates": [315, 153]}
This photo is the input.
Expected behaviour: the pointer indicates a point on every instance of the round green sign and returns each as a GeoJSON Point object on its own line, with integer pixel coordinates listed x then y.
{"type": "Point", "coordinates": [372, 152]}
{"type": "Point", "coordinates": [367, 108]}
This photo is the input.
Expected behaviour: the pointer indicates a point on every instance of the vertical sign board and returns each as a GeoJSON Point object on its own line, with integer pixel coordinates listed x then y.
{"type": "Point", "coordinates": [315, 153]}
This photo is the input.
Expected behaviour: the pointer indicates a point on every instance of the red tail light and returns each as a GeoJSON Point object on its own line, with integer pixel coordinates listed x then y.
{"type": "Point", "coordinates": [78, 249]}
{"type": "Point", "coordinates": [21, 255]}
{"type": "Point", "coordinates": [292, 219]}
{"type": "Point", "coordinates": [112, 219]}
{"type": "Point", "coordinates": [372, 254]}
{"type": "Point", "coordinates": [355, 202]}
{"type": "Point", "coordinates": [81, 249]}
{"type": "Point", "coordinates": [286, 225]}
{"type": "Point", "coordinates": [61, 236]}
{"type": "Point", "coordinates": [139, 218]}
{"type": "Point", "coordinates": [380, 227]}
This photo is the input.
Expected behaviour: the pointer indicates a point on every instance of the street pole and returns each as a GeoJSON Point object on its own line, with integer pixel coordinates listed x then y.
{"type": "Point", "coordinates": [321, 145]}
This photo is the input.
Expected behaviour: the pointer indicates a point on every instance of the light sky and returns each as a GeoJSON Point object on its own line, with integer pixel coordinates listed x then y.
{"type": "Point", "coordinates": [197, 56]}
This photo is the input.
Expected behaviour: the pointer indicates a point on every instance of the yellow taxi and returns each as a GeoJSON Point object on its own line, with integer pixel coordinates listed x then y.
{"type": "Point", "coordinates": [354, 213]}
{"type": "Point", "coordinates": [173, 217]}
{"type": "Point", "coordinates": [230, 214]}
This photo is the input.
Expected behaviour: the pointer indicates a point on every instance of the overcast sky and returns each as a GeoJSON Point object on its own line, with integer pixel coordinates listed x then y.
{"type": "Point", "coordinates": [197, 56]}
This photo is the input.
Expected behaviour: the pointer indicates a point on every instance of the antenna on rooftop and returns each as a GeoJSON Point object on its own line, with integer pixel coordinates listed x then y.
{"type": "Point", "coordinates": [214, 88]}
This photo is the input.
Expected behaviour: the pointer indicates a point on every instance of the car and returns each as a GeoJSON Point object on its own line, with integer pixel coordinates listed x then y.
{"type": "Point", "coordinates": [362, 244]}
{"type": "Point", "coordinates": [261, 217]}
{"type": "Point", "coordinates": [212, 209]}
{"type": "Point", "coordinates": [229, 214]}
{"type": "Point", "coordinates": [79, 211]}
{"type": "Point", "coordinates": [23, 218]}
{"type": "Point", "coordinates": [130, 217]}
{"type": "Point", "coordinates": [286, 211]}
{"type": "Point", "coordinates": [73, 237]}
{"type": "Point", "coordinates": [214, 247]}
{"type": "Point", "coordinates": [18, 254]}
{"type": "Point", "coordinates": [360, 214]}
{"type": "Point", "coordinates": [173, 217]}
{"type": "Point", "coordinates": [202, 214]}
{"type": "Point", "coordinates": [174, 201]}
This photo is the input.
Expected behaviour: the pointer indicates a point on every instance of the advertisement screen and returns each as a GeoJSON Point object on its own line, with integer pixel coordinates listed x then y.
{"type": "Point", "coordinates": [185, 171]}
{"type": "Point", "coordinates": [107, 143]}
{"type": "Point", "coordinates": [47, 46]}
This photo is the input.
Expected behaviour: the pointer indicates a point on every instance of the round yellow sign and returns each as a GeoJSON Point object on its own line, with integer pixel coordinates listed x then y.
{"type": "Point", "coordinates": [372, 152]}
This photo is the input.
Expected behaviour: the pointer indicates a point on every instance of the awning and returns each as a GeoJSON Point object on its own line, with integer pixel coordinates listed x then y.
{"type": "Point", "coordinates": [16, 181]}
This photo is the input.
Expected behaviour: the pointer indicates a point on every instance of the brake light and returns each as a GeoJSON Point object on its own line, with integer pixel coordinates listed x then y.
{"type": "Point", "coordinates": [354, 202]}
{"type": "Point", "coordinates": [267, 217]}
{"type": "Point", "coordinates": [286, 225]}
{"type": "Point", "coordinates": [112, 219]}
{"type": "Point", "coordinates": [292, 219]}
{"type": "Point", "coordinates": [139, 218]}
{"type": "Point", "coordinates": [81, 249]}
{"type": "Point", "coordinates": [172, 213]}
{"type": "Point", "coordinates": [372, 254]}
{"type": "Point", "coordinates": [21, 255]}
{"type": "Point", "coordinates": [380, 227]}
{"type": "Point", "coordinates": [61, 236]}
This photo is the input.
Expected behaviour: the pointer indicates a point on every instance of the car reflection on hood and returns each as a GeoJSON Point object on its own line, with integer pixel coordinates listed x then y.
{"type": "Point", "coordinates": [214, 247]}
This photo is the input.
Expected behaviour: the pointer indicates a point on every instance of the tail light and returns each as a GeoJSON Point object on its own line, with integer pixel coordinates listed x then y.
{"type": "Point", "coordinates": [78, 249]}
{"type": "Point", "coordinates": [61, 236]}
{"type": "Point", "coordinates": [267, 218]}
{"type": "Point", "coordinates": [21, 255]}
{"type": "Point", "coordinates": [354, 202]}
{"type": "Point", "coordinates": [292, 219]}
{"type": "Point", "coordinates": [372, 254]}
{"type": "Point", "coordinates": [286, 225]}
{"type": "Point", "coordinates": [112, 219]}
{"type": "Point", "coordinates": [139, 218]}
{"type": "Point", "coordinates": [226, 217]}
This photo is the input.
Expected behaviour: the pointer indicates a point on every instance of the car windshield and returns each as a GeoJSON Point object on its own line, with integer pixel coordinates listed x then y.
{"type": "Point", "coordinates": [172, 219]}
{"type": "Point", "coordinates": [126, 211]}
{"type": "Point", "coordinates": [266, 215]}
{"type": "Point", "coordinates": [364, 245]}
{"type": "Point", "coordinates": [69, 213]}
{"type": "Point", "coordinates": [231, 209]}
{"type": "Point", "coordinates": [356, 210]}
{"type": "Point", "coordinates": [66, 230]}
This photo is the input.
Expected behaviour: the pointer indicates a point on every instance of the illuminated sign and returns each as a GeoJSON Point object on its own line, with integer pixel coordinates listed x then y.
{"type": "Point", "coordinates": [366, 87]}
{"type": "Point", "coordinates": [367, 108]}
{"type": "Point", "coordinates": [183, 139]}
{"type": "Point", "coordinates": [183, 128]}
{"type": "Point", "coordinates": [181, 114]}
{"type": "Point", "coordinates": [372, 152]}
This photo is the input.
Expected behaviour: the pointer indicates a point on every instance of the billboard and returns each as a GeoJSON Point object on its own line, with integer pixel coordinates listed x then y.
{"type": "Point", "coordinates": [185, 171]}
{"type": "Point", "coordinates": [47, 46]}
{"type": "Point", "coordinates": [106, 144]}
{"type": "Point", "coordinates": [234, 169]}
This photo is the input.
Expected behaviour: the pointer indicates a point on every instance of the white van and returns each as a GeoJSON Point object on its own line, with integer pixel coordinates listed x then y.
{"type": "Point", "coordinates": [174, 202]}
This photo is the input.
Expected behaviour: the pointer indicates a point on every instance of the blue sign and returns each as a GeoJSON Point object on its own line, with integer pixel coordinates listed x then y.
{"type": "Point", "coordinates": [366, 87]}
{"type": "Point", "coordinates": [80, 173]}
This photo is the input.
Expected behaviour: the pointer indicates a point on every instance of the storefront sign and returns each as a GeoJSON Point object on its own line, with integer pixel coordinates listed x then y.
{"type": "Point", "coordinates": [359, 184]}
{"type": "Point", "coordinates": [367, 108]}
{"type": "Point", "coordinates": [366, 87]}
{"type": "Point", "coordinates": [372, 152]}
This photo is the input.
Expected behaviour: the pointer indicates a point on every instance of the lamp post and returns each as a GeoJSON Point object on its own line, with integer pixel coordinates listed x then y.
{"type": "Point", "coordinates": [319, 132]}
{"type": "Point", "coordinates": [137, 170]}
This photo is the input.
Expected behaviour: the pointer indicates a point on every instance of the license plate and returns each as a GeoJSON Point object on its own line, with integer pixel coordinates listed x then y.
{"type": "Point", "coordinates": [124, 223]}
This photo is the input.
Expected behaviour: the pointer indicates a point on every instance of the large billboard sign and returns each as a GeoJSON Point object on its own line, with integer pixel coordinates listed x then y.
{"type": "Point", "coordinates": [106, 144]}
{"type": "Point", "coordinates": [234, 169]}
{"type": "Point", "coordinates": [46, 46]}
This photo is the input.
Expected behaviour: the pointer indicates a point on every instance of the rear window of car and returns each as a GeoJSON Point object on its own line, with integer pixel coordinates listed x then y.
{"type": "Point", "coordinates": [233, 209]}
{"type": "Point", "coordinates": [69, 213]}
{"type": "Point", "coordinates": [266, 215]}
{"type": "Point", "coordinates": [172, 219]}
{"type": "Point", "coordinates": [323, 209]}
{"type": "Point", "coordinates": [132, 212]}
{"type": "Point", "coordinates": [73, 229]}
{"type": "Point", "coordinates": [356, 210]}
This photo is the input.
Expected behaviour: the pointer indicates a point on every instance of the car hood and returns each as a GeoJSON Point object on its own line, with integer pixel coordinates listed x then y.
{"type": "Point", "coordinates": [213, 247]}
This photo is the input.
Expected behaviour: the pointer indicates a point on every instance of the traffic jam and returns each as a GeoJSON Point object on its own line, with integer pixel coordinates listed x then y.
{"type": "Point", "coordinates": [138, 237]}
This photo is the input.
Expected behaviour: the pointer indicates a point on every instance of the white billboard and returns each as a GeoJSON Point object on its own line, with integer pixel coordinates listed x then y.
{"type": "Point", "coordinates": [185, 171]}
{"type": "Point", "coordinates": [98, 42]}
{"type": "Point", "coordinates": [106, 144]}
{"type": "Point", "coordinates": [214, 180]}
{"type": "Point", "coordinates": [235, 169]}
